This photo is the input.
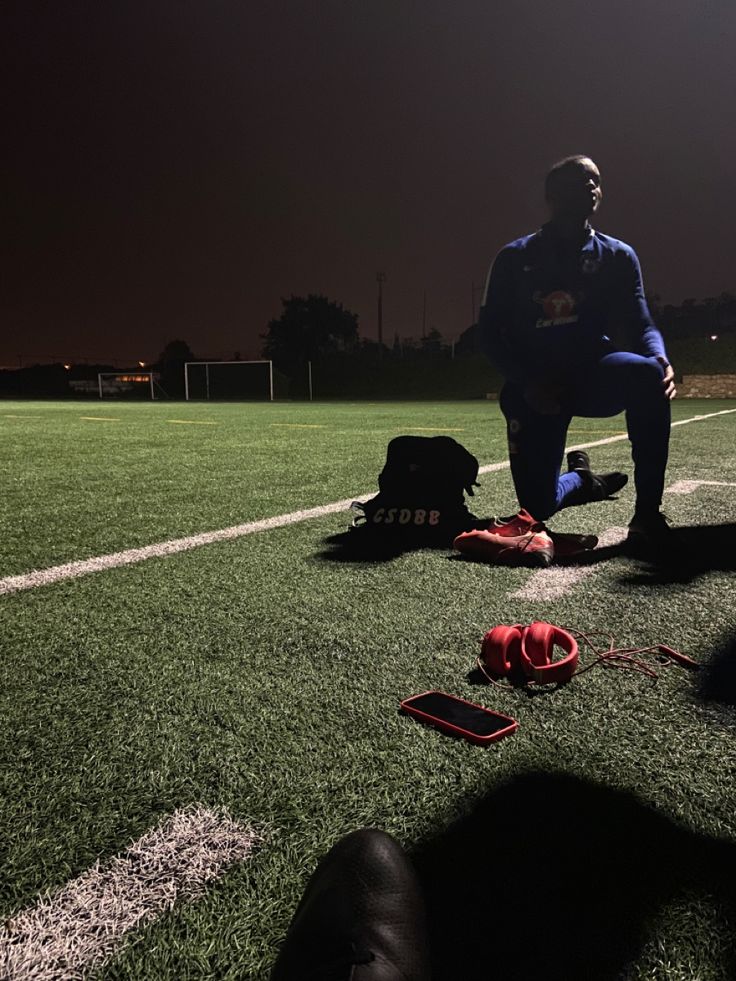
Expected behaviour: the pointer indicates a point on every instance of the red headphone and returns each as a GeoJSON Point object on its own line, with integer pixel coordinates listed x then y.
{"type": "Point", "coordinates": [531, 648]}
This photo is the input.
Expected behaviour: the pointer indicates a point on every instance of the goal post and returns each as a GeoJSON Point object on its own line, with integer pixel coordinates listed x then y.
{"type": "Point", "coordinates": [126, 384]}
{"type": "Point", "coordinates": [228, 380]}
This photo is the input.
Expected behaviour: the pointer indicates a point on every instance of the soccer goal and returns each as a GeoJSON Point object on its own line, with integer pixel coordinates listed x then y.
{"type": "Point", "coordinates": [229, 380]}
{"type": "Point", "coordinates": [127, 384]}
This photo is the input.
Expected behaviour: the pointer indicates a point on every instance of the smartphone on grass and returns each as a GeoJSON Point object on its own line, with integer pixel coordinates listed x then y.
{"type": "Point", "coordinates": [459, 717]}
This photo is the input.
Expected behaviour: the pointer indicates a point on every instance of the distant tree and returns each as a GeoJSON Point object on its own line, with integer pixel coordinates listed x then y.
{"type": "Point", "coordinates": [432, 343]}
{"type": "Point", "coordinates": [171, 362]}
{"type": "Point", "coordinates": [469, 341]}
{"type": "Point", "coordinates": [369, 350]}
{"type": "Point", "coordinates": [654, 301]}
{"type": "Point", "coordinates": [309, 328]}
{"type": "Point", "coordinates": [176, 351]}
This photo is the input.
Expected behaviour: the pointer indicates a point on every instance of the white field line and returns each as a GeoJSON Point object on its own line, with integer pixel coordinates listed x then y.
{"type": "Point", "coordinates": [551, 584]}
{"type": "Point", "coordinates": [571, 430]}
{"type": "Point", "coordinates": [71, 570]}
{"type": "Point", "coordinates": [688, 486]}
{"type": "Point", "coordinates": [70, 932]}
{"type": "Point", "coordinates": [191, 422]}
{"type": "Point", "coordinates": [680, 422]}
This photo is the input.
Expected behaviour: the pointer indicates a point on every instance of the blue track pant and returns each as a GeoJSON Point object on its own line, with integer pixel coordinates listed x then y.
{"type": "Point", "coordinates": [616, 383]}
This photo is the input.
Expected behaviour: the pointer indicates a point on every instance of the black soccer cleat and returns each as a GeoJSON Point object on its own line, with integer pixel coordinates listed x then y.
{"type": "Point", "coordinates": [596, 486]}
{"type": "Point", "coordinates": [604, 485]}
{"type": "Point", "coordinates": [361, 917]}
{"type": "Point", "coordinates": [578, 460]}
{"type": "Point", "coordinates": [650, 536]}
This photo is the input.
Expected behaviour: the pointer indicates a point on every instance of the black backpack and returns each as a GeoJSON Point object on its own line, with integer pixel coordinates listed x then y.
{"type": "Point", "coordinates": [422, 492]}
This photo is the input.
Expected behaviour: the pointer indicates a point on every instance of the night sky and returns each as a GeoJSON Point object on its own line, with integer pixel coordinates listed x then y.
{"type": "Point", "coordinates": [174, 168]}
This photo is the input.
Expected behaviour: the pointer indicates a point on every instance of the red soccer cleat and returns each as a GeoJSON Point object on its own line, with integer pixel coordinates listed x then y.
{"type": "Point", "coordinates": [521, 540]}
{"type": "Point", "coordinates": [518, 524]}
{"type": "Point", "coordinates": [533, 548]}
{"type": "Point", "coordinates": [566, 544]}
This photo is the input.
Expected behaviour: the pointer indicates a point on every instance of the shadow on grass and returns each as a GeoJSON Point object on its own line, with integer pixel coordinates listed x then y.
{"type": "Point", "coordinates": [700, 549]}
{"type": "Point", "coordinates": [551, 877]}
{"type": "Point", "coordinates": [516, 680]}
{"type": "Point", "coordinates": [364, 547]}
{"type": "Point", "coordinates": [718, 679]}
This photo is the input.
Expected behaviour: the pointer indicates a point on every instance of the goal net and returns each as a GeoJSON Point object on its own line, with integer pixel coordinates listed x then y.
{"type": "Point", "coordinates": [237, 381]}
{"type": "Point", "coordinates": [127, 384]}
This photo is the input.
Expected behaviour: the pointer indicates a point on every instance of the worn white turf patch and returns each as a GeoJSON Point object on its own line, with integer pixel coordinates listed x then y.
{"type": "Point", "coordinates": [688, 486]}
{"type": "Point", "coordinates": [100, 418]}
{"type": "Point", "coordinates": [191, 422]}
{"type": "Point", "coordinates": [70, 932]}
{"type": "Point", "coordinates": [557, 581]}
{"type": "Point", "coordinates": [298, 425]}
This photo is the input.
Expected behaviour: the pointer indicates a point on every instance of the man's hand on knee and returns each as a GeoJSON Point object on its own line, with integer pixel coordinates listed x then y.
{"type": "Point", "coordinates": [668, 382]}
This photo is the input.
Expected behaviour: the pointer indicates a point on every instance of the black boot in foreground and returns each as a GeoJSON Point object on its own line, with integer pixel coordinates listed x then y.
{"type": "Point", "coordinates": [361, 917]}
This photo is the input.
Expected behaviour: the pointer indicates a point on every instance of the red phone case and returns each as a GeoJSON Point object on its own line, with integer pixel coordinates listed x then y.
{"type": "Point", "coordinates": [472, 737]}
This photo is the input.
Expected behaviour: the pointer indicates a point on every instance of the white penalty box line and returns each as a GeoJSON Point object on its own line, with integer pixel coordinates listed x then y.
{"type": "Point", "coordinates": [73, 930]}
{"type": "Point", "coordinates": [101, 563]}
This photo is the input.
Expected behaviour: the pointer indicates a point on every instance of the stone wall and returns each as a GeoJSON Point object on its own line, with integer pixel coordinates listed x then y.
{"type": "Point", "coordinates": [707, 387]}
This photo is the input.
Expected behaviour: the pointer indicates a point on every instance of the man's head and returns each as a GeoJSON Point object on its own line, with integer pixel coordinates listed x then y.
{"type": "Point", "coordinates": [572, 188]}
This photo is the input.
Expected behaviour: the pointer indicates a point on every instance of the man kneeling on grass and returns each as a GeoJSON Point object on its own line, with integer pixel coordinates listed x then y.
{"type": "Point", "coordinates": [553, 302]}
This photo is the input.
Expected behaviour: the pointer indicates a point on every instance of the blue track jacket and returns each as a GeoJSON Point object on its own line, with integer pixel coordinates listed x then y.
{"type": "Point", "coordinates": [552, 308]}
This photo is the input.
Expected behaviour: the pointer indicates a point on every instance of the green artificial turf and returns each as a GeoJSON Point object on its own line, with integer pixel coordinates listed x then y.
{"type": "Point", "coordinates": [260, 675]}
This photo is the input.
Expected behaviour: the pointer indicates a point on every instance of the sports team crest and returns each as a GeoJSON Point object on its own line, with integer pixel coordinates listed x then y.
{"type": "Point", "coordinates": [558, 306]}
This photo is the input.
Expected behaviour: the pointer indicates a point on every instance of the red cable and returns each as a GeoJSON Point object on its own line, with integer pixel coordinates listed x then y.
{"type": "Point", "coordinates": [615, 657]}
{"type": "Point", "coordinates": [627, 655]}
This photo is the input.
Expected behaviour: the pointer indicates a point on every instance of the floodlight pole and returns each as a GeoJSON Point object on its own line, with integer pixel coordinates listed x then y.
{"type": "Point", "coordinates": [473, 290]}
{"type": "Point", "coordinates": [380, 279]}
